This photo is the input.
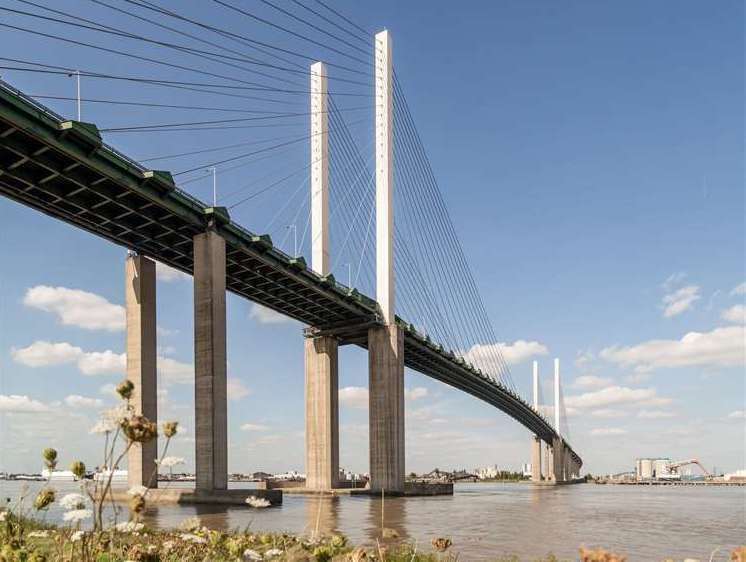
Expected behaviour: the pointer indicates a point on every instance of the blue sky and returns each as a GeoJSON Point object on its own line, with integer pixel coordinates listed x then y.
{"type": "Point", "coordinates": [591, 155]}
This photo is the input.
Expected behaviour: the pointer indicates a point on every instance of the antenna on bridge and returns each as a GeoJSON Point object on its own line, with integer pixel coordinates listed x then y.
{"type": "Point", "coordinates": [77, 89]}
{"type": "Point", "coordinates": [536, 386]}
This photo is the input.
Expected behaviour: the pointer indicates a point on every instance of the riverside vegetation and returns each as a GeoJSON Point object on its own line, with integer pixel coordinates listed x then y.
{"type": "Point", "coordinates": [87, 536]}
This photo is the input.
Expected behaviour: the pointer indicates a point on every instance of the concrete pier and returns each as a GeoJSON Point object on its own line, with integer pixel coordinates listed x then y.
{"type": "Point", "coordinates": [386, 408]}
{"type": "Point", "coordinates": [549, 463]}
{"type": "Point", "coordinates": [140, 304]}
{"type": "Point", "coordinates": [210, 393]}
{"type": "Point", "coordinates": [322, 413]}
{"type": "Point", "coordinates": [536, 459]}
{"type": "Point", "coordinates": [536, 441]}
{"type": "Point", "coordinates": [558, 457]}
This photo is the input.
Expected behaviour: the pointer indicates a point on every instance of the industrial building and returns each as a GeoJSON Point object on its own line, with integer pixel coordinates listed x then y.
{"type": "Point", "coordinates": [662, 468]}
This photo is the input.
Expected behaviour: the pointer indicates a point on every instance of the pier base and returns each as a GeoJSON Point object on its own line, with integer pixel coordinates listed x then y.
{"type": "Point", "coordinates": [192, 496]}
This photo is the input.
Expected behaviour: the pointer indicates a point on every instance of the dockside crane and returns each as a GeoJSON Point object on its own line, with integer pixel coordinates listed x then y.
{"type": "Point", "coordinates": [675, 466]}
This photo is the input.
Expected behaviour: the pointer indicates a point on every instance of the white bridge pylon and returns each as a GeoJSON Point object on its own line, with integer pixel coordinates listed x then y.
{"type": "Point", "coordinates": [386, 342]}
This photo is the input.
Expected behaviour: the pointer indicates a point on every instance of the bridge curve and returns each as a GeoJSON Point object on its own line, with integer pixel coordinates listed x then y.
{"type": "Point", "coordinates": [63, 169]}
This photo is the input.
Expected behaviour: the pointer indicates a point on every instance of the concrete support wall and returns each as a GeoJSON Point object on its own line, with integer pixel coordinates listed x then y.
{"type": "Point", "coordinates": [140, 303]}
{"type": "Point", "coordinates": [322, 413]}
{"type": "Point", "coordinates": [386, 408]}
{"type": "Point", "coordinates": [210, 393]}
{"type": "Point", "coordinates": [536, 459]}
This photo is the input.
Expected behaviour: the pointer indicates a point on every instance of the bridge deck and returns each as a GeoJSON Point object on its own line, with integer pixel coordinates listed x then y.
{"type": "Point", "coordinates": [63, 169]}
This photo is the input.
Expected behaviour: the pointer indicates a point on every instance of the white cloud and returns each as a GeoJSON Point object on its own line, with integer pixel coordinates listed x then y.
{"type": "Point", "coordinates": [513, 353]}
{"type": "Point", "coordinates": [736, 314]}
{"type": "Point", "coordinates": [415, 393]}
{"type": "Point", "coordinates": [102, 363]}
{"type": "Point", "coordinates": [608, 413]}
{"type": "Point", "coordinates": [739, 290]}
{"type": "Point", "coordinates": [680, 300]}
{"type": "Point", "coordinates": [44, 353]}
{"type": "Point", "coordinates": [21, 404]}
{"type": "Point", "coordinates": [591, 381]}
{"type": "Point", "coordinates": [738, 415]}
{"type": "Point", "coordinates": [236, 389]}
{"type": "Point", "coordinates": [167, 274]}
{"type": "Point", "coordinates": [254, 427]}
{"type": "Point", "coordinates": [655, 414]}
{"type": "Point", "coordinates": [673, 280]}
{"type": "Point", "coordinates": [265, 315]}
{"type": "Point", "coordinates": [108, 389]}
{"type": "Point", "coordinates": [78, 401]}
{"type": "Point", "coordinates": [722, 347]}
{"type": "Point", "coordinates": [615, 395]}
{"type": "Point", "coordinates": [74, 307]}
{"type": "Point", "coordinates": [354, 397]}
{"type": "Point", "coordinates": [175, 372]}
{"type": "Point", "coordinates": [608, 431]}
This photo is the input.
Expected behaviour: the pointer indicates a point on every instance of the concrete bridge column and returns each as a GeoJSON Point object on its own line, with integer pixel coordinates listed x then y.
{"type": "Point", "coordinates": [322, 413]}
{"type": "Point", "coordinates": [536, 441]}
{"type": "Point", "coordinates": [210, 393]}
{"type": "Point", "coordinates": [140, 304]}
{"type": "Point", "coordinates": [558, 458]}
{"type": "Point", "coordinates": [536, 459]}
{"type": "Point", "coordinates": [386, 408]}
{"type": "Point", "coordinates": [385, 343]}
{"type": "Point", "coordinates": [548, 462]}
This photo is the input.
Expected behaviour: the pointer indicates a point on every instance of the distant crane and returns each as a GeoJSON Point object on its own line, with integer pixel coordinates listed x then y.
{"type": "Point", "coordinates": [675, 466]}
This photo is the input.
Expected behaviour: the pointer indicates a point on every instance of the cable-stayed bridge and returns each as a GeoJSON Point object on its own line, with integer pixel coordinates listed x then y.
{"type": "Point", "coordinates": [373, 217]}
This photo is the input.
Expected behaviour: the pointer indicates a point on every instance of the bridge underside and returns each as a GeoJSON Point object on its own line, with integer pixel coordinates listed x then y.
{"type": "Point", "coordinates": [63, 169]}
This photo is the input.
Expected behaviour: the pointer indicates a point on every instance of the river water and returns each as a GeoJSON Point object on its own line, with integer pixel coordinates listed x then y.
{"type": "Point", "coordinates": [489, 520]}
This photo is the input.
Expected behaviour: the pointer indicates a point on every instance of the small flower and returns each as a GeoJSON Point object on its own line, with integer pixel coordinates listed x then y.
{"type": "Point", "coordinates": [190, 524]}
{"type": "Point", "coordinates": [170, 428]}
{"type": "Point", "coordinates": [272, 552]}
{"type": "Point", "coordinates": [441, 544]}
{"type": "Point", "coordinates": [338, 541]}
{"type": "Point", "coordinates": [249, 554]}
{"type": "Point", "coordinates": [189, 537]}
{"type": "Point", "coordinates": [130, 527]}
{"type": "Point", "coordinates": [76, 536]}
{"type": "Point", "coordinates": [38, 534]}
{"type": "Point", "coordinates": [253, 501]}
{"type": "Point", "coordinates": [139, 429]}
{"type": "Point", "coordinates": [125, 389]}
{"type": "Point", "coordinates": [137, 491]}
{"type": "Point", "coordinates": [50, 458]}
{"type": "Point", "coordinates": [77, 515]}
{"type": "Point", "coordinates": [170, 462]}
{"type": "Point", "coordinates": [78, 469]}
{"type": "Point", "coordinates": [44, 498]}
{"type": "Point", "coordinates": [73, 501]}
